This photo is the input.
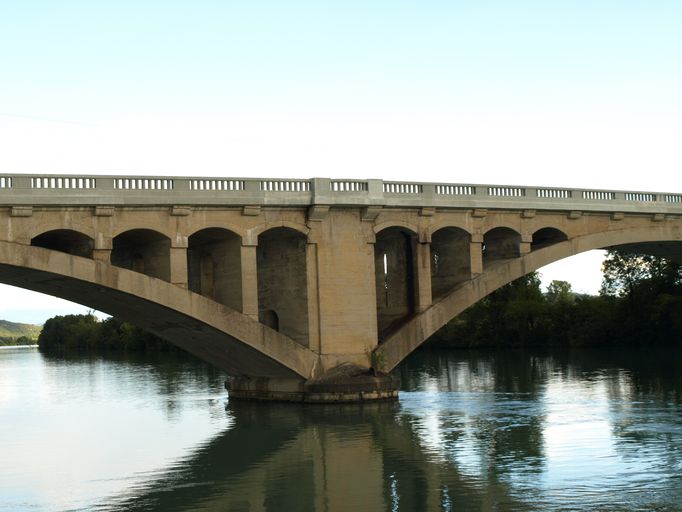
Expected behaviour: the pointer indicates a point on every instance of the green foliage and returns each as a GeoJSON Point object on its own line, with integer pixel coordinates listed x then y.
{"type": "Point", "coordinates": [86, 333]}
{"type": "Point", "coordinates": [8, 341]}
{"type": "Point", "coordinates": [640, 303]}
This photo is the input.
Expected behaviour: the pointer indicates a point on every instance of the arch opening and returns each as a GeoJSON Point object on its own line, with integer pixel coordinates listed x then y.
{"type": "Point", "coordinates": [283, 283]}
{"type": "Point", "coordinates": [450, 260]}
{"type": "Point", "coordinates": [547, 236]}
{"type": "Point", "coordinates": [665, 242]}
{"type": "Point", "coordinates": [394, 270]}
{"type": "Point", "coordinates": [214, 266]}
{"type": "Point", "coordinates": [143, 250]}
{"type": "Point", "coordinates": [500, 244]}
{"type": "Point", "coordinates": [65, 240]}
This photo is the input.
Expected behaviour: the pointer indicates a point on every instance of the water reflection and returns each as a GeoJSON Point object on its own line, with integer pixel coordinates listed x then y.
{"type": "Point", "coordinates": [326, 458]}
{"type": "Point", "coordinates": [580, 430]}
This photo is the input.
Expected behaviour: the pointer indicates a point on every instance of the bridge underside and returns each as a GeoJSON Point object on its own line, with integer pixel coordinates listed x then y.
{"type": "Point", "coordinates": [207, 343]}
{"type": "Point", "coordinates": [669, 250]}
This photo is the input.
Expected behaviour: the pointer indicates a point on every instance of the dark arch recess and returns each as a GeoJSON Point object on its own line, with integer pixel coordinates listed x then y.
{"type": "Point", "coordinates": [395, 271]}
{"type": "Point", "coordinates": [500, 244]}
{"type": "Point", "coordinates": [283, 282]}
{"type": "Point", "coordinates": [450, 259]}
{"type": "Point", "coordinates": [143, 250]}
{"type": "Point", "coordinates": [547, 236]}
{"type": "Point", "coordinates": [214, 266]}
{"type": "Point", "coordinates": [65, 240]}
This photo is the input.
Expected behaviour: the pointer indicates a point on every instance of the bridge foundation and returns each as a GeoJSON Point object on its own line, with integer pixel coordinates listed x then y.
{"type": "Point", "coordinates": [346, 383]}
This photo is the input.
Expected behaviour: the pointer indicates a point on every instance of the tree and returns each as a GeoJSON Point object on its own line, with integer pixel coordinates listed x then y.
{"type": "Point", "coordinates": [626, 273]}
{"type": "Point", "coordinates": [560, 292]}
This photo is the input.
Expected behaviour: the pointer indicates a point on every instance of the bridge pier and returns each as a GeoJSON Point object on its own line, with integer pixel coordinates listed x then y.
{"type": "Point", "coordinates": [343, 384]}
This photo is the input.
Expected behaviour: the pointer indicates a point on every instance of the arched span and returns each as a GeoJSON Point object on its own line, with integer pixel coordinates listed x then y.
{"type": "Point", "coordinates": [402, 342]}
{"type": "Point", "coordinates": [545, 237]}
{"type": "Point", "coordinates": [65, 240]}
{"type": "Point", "coordinates": [500, 243]}
{"type": "Point", "coordinates": [56, 223]}
{"type": "Point", "coordinates": [433, 228]}
{"type": "Point", "coordinates": [395, 270]}
{"type": "Point", "coordinates": [143, 250]}
{"type": "Point", "coordinates": [233, 228]}
{"type": "Point", "coordinates": [282, 267]}
{"type": "Point", "coordinates": [251, 236]}
{"type": "Point", "coordinates": [450, 259]}
{"type": "Point", "coordinates": [211, 331]}
{"type": "Point", "coordinates": [214, 265]}
{"type": "Point", "coordinates": [378, 228]}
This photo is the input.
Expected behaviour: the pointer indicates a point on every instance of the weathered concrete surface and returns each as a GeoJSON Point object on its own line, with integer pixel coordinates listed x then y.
{"type": "Point", "coordinates": [228, 339]}
{"type": "Point", "coordinates": [345, 383]}
{"type": "Point", "coordinates": [283, 282]}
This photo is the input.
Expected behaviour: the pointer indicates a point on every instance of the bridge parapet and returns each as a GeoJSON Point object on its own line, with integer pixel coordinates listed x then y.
{"type": "Point", "coordinates": [58, 190]}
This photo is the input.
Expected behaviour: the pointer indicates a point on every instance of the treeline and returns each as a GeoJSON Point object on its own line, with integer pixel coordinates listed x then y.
{"type": "Point", "coordinates": [87, 333]}
{"type": "Point", "coordinates": [11, 341]}
{"type": "Point", "coordinates": [640, 303]}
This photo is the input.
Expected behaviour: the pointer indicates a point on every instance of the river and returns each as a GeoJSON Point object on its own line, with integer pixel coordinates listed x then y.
{"type": "Point", "coordinates": [485, 431]}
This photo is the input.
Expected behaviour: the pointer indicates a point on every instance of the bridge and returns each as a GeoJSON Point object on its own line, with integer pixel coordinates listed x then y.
{"type": "Point", "coordinates": [297, 288]}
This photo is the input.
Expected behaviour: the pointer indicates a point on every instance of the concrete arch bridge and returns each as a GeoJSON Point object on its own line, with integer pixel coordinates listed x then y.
{"type": "Point", "coordinates": [296, 288]}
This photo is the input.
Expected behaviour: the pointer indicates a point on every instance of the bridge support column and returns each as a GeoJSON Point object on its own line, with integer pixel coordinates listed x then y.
{"type": "Point", "coordinates": [102, 249]}
{"type": "Point", "coordinates": [476, 255]}
{"type": "Point", "coordinates": [101, 255]}
{"type": "Point", "coordinates": [525, 245]}
{"type": "Point", "coordinates": [424, 296]}
{"type": "Point", "coordinates": [178, 266]}
{"type": "Point", "coordinates": [249, 281]}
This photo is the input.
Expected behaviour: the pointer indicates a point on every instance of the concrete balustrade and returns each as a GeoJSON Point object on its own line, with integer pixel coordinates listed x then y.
{"type": "Point", "coordinates": [45, 189]}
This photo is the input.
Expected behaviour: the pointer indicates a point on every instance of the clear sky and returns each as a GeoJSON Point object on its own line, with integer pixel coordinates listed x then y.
{"type": "Point", "coordinates": [579, 94]}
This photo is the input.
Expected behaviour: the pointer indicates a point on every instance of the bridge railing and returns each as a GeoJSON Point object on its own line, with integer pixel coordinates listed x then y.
{"type": "Point", "coordinates": [52, 189]}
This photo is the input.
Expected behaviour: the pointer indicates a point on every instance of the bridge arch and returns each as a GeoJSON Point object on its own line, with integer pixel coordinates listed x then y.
{"type": "Point", "coordinates": [544, 237]}
{"type": "Point", "coordinates": [228, 226]}
{"type": "Point", "coordinates": [395, 261]}
{"type": "Point", "coordinates": [252, 235]}
{"type": "Point", "coordinates": [65, 240]}
{"type": "Point", "coordinates": [418, 329]}
{"type": "Point", "coordinates": [450, 259]}
{"type": "Point", "coordinates": [282, 270]}
{"type": "Point", "coordinates": [142, 250]}
{"type": "Point", "coordinates": [214, 265]}
{"type": "Point", "coordinates": [500, 243]}
{"type": "Point", "coordinates": [433, 228]}
{"type": "Point", "coordinates": [211, 331]}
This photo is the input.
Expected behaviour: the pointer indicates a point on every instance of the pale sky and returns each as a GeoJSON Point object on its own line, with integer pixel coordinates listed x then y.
{"type": "Point", "coordinates": [577, 94]}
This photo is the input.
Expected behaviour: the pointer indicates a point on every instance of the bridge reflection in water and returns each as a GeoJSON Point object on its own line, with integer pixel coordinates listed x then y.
{"type": "Point", "coordinates": [476, 432]}
{"type": "Point", "coordinates": [331, 458]}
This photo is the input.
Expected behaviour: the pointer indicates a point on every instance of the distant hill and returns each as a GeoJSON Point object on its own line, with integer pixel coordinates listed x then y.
{"type": "Point", "coordinates": [12, 330]}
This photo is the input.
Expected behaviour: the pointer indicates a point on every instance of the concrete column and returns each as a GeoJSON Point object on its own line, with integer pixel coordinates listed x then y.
{"type": "Point", "coordinates": [314, 340]}
{"type": "Point", "coordinates": [249, 281]}
{"type": "Point", "coordinates": [178, 266]}
{"type": "Point", "coordinates": [525, 244]}
{"type": "Point", "coordinates": [424, 296]}
{"type": "Point", "coordinates": [103, 255]}
{"type": "Point", "coordinates": [476, 255]}
{"type": "Point", "coordinates": [102, 249]}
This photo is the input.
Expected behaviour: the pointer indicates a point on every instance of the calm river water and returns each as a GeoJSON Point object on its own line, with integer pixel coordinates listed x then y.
{"type": "Point", "coordinates": [507, 430]}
